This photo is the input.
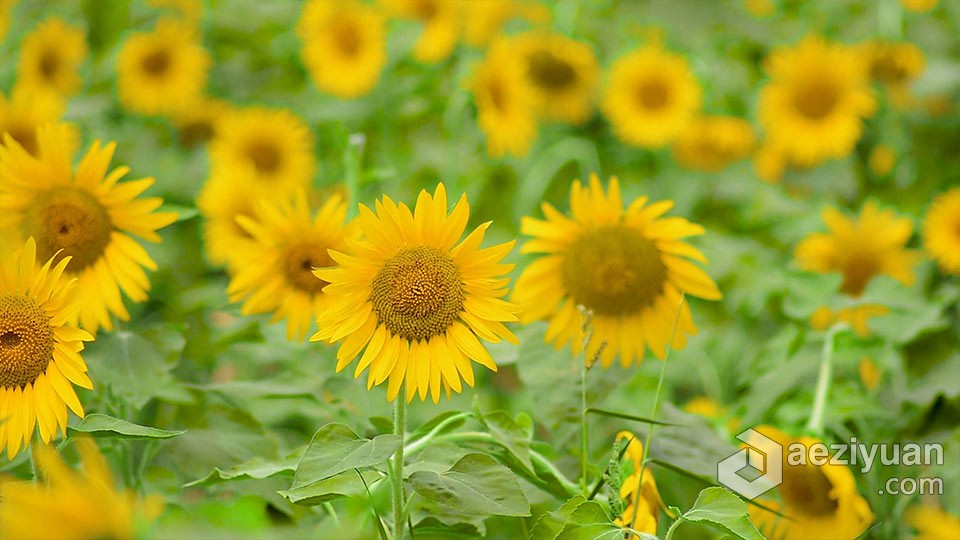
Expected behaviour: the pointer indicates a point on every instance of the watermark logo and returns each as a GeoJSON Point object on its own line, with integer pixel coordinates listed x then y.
{"type": "Point", "coordinates": [753, 470]}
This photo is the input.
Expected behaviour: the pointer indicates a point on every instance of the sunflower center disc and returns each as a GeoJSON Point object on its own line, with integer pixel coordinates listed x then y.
{"type": "Point", "coordinates": [70, 220]}
{"type": "Point", "coordinates": [418, 293]}
{"type": "Point", "coordinates": [49, 64]}
{"type": "Point", "coordinates": [885, 69]}
{"type": "Point", "coordinates": [25, 135]}
{"type": "Point", "coordinates": [858, 270]}
{"type": "Point", "coordinates": [653, 94]}
{"type": "Point", "coordinates": [807, 489]}
{"type": "Point", "coordinates": [299, 263]}
{"type": "Point", "coordinates": [156, 63]}
{"type": "Point", "coordinates": [613, 271]}
{"type": "Point", "coordinates": [425, 9]}
{"type": "Point", "coordinates": [265, 156]}
{"type": "Point", "coordinates": [816, 100]}
{"type": "Point", "coordinates": [26, 341]}
{"type": "Point", "coordinates": [550, 72]}
{"type": "Point", "coordinates": [347, 37]}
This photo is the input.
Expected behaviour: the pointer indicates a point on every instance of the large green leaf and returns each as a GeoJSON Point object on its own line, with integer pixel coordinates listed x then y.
{"type": "Point", "coordinates": [721, 509]}
{"type": "Point", "coordinates": [551, 524]}
{"type": "Point", "coordinates": [513, 434]}
{"type": "Point", "coordinates": [108, 427]}
{"type": "Point", "coordinates": [346, 484]}
{"type": "Point", "coordinates": [256, 468]}
{"type": "Point", "coordinates": [475, 484]}
{"type": "Point", "coordinates": [590, 522]}
{"type": "Point", "coordinates": [336, 448]}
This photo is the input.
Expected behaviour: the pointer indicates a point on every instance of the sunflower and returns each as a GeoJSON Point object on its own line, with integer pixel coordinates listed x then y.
{"type": "Point", "coordinates": [198, 122]}
{"type": "Point", "coordinates": [6, 6]}
{"type": "Point", "coordinates": [941, 231]}
{"type": "Point", "coordinates": [919, 6]}
{"type": "Point", "coordinates": [932, 523]}
{"type": "Point", "coordinates": [162, 71]}
{"type": "Point", "coordinates": [646, 507]}
{"type": "Point", "coordinates": [87, 215]}
{"type": "Point", "coordinates": [69, 504]}
{"type": "Point", "coordinates": [275, 274]}
{"type": "Point", "coordinates": [415, 299]}
{"type": "Point", "coordinates": [814, 104]}
{"type": "Point", "coordinates": [24, 112]}
{"type": "Point", "coordinates": [505, 103]}
{"type": "Point", "coordinates": [651, 96]}
{"type": "Point", "coordinates": [486, 19]}
{"type": "Point", "coordinates": [769, 163]}
{"type": "Point", "coordinates": [870, 374]}
{"type": "Point", "coordinates": [710, 143]}
{"type": "Point", "coordinates": [441, 21]}
{"type": "Point", "coordinates": [818, 501]}
{"type": "Point", "coordinates": [858, 317]}
{"type": "Point", "coordinates": [50, 57]}
{"type": "Point", "coordinates": [882, 160]}
{"type": "Point", "coordinates": [39, 351]}
{"type": "Point", "coordinates": [628, 267]}
{"type": "Point", "coordinates": [275, 145]}
{"type": "Point", "coordinates": [894, 65]}
{"type": "Point", "coordinates": [344, 46]}
{"type": "Point", "coordinates": [860, 249]}
{"type": "Point", "coordinates": [562, 72]}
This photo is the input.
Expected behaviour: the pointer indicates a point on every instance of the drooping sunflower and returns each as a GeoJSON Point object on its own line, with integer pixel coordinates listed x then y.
{"type": "Point", "coordinates": [198, 122]}
{"type": "Point", "coordinates": [563, 73]}
{"type": "Point", "coordinates": [69, 504]}
{"type": "Point", "coordinates": [162, 71]}
{"type": "Point", "coordinates": [646, 505]}
{"type": "Point", "coordinates": [39, 350]}
{"type": "Point", "coordinates": [941, 231]}
{"type": "Point", "coordinates": [506, 105]}
{"type": "Point", "coordinates": [628, 267]}
{"type": "Point", "coordinates": [275, 145]}
{"type": "Point", "coordinates": [818, 501]}
{"type": "Point", "coordinates": [86, 214]}
{"type": "Point", "coordinates": [814, 104]}
{"type": "Point", "coordinates": [932, 523]}
{"type": "Point", "coordinates": [275, 274]}
{"type": "Point", "coordinates": [651, 96]}
{"type": "Point", "coordinates": [441, 21]}
{"type": "Point", "coordinates": [414, 300]}
{"type": "Point", "coordinates": [485, 20]}
{"type": "Point", "coordinates": [710, 143]}
{"type": "Point", "coordinates": [24, 112]}
{"type": "Point", "coordinates": [344, 46]}
{"type": "Point", "coordinates": [50, 56]}
{"type": "Point", "coordinates": [860, 249]}
{"type": "Point", "coordinates": [893, 65]}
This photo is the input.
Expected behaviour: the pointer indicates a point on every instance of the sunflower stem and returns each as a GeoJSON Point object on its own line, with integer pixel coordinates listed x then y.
{"type": "Point", "coordinates": [653, 415]}
{"type": "Point", "coordinates": [351, 164]}
{"type": "Point", "coordinates": [815, 424]}
{"type": "Point", "coordinates": [587, 330]}
{"type": "Point", "coordinates": [399, 428]}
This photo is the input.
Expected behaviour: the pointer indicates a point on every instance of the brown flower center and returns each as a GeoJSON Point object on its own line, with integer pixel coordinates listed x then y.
{"type": "Point", "coordinates": [49, 64]}
{"type": "Point", "coordinates": [265, 156]}
{"type": "Point", "coordinates": [886, 70]}
{"type": "Point", "coordinates": [550, 72]}
{"type": "Point", "coordinates": [347, 37]}
{"type": "Point", "coordinates": [196, 132]}
{"type": "Point", "coordinates": [653, 94]}
{"type": "Point", "coordinates": [816, 100]}
{"type": "Point", "coordinates": [613, 270]}
{"type": "Point", "coordinates": [26, 341]}
{"type": "Point", "coordinates": [299, 262]}
{"type": "Point", "coordinates": [418, 293]}
{"type": "Point", "coordinates": [70, 220]}
{"type": "Point", "coordinates": [858, 268]}
{"type": "Point", "coordinates": [156, 63]}
{"type": "Point", "coordinates": [806, 489]}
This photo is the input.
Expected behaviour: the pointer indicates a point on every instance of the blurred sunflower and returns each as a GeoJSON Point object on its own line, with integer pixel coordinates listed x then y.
{"type": "Point", "coordinates": [710, 143]}
{"type": "Point", "coordinates": [162, 71]}
{"type": "Point", "coordinates": [198, 122]}
{"type": "Point", "coordinates": [919, 6]}
{"type": "Point", "coordinates": [415, 299]}
{"type": "Point", "coordinates": [68, 504]}
{"type": "Point", "coordinates": [505, 103]}
{"type": "Point", "coordinates": [818, 501]}
{"type": "Point", "coordinates": [24, 112]}
{"type": "Point", "coordinates": [628, 267]}
{"type": "Point", "coordinates": [485, 20]}
{"type": "Point", "coordinates": [882, 160]}
{"type": "Point", "coordinates": [894, 65]}
{"type": "Point", "coordinates": [651, 96]}
{"type": "Point", "coordinates": [769, 163]}
{"type": "Point", "coordinates": [441, 21]}
{"type": "Point", "coordinates": [870, 374]}
{"type": "Point", "coordinates": [87, 215]}
{"type": "Point", "coordinates": [932, 523]}
{"type": "Point", "coordinates": [941, 230]}
{"type": "Point", "coordinates": [813, 106]}
{"type": "Point", "coordinates": [344, 46]}
{"type": "Point", "coordinates": [857, 316]}
{"type": "Point", "coordinates": [276, 274]}
{"type": "Point", "coordinates": [275, 145]}
{"type": "Point", "coordinates": [50, 56]}
{"type": "Point", "coordinates": [563, 73]}
{"type": "Point", "coordinates": [6, 6]}
{"type": "Point", "coordinates": [226, 195]}
{"type": "Point", "coordinates": [871, 245]}
{"type": "Point", "coordinates": [39, 353]}
{"type": "Point", "coordinates": [647, 505]}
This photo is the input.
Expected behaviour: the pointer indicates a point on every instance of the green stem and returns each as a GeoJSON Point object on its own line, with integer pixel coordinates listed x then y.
{"type": "Point", "coordinates": [421, 443]}
{"type": "Point", "coordinates": [673, 527]}
{"type": "Point", "coordinates": [815, 424]}
{"type": "Point", "coordinates": [656, 409]}
{"type": "Point", "coordinates": [351, 165]}
{"type": "Point", "coordinates": [583, 425]}
{"type": "Point", "coordinates": [399, 428]}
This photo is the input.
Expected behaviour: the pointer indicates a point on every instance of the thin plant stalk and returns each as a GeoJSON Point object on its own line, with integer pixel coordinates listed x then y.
{"type": "Point", "coordinates": [399, 428]}
{"type": "Point", "coordinates": [587, 330]}
{"type": "Point", "coordinates": [815, 424]}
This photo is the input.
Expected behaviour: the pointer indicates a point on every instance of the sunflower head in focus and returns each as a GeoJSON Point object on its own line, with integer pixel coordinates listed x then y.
{"type": "Point", "coordinates": [710, 143]}
{"type": "Point", "coordinates": [931, 522]}
{"type": "Point", "coordinates": [24, 112]}
{"type": "Point", "coordinates": [441, 20]}
{"type": "Point", "coordinates": [819, 501]}
{"type": "Point", "coordinates": [86, 214]}
{"type": "Point", "coordinates": [506, 104]}
{"type": "Point", "coordinates": [288, 242]}
{"type": "Point", "coordinates": [415, 299]}
{"type": "Point", "coordinates": [274, 145]}
{"type": "Point", "coordinates": [199, 122]}
{"type": "Point", "coordinates": [628, 267]}
{"type": "Point", "coordinates": [40, 358]}
{"type": "Point", "coordinates": [344, 46]}
{"type": "Point", "coordinates": [813, 106]}
{"type": "Point", "coordinates": [941, 230]}
{"type": "Point", "coordinates": [562, 72]}
{"type": "Point", "coordinates": [646, 505]}
{"type": "Point", "coordinates": [860, 249]}
{"type": "Point", "coordinates": [50, 57]}
{"type": "Point", "coordinates": [162, 71]}
{"type": "Point", "coordinates": [74, 504]}
{"type": "Point", "coordinates": [651, 96]}
{"type": "Point", "coordinates": [893, 65]}
{"type": "Point", "coordinates": [485, 20]}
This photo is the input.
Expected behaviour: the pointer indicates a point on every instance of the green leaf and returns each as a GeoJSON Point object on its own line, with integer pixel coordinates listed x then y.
{"type": "Point", "coordinates": [806, 291]}
{"type": "Point", "coordinates": [721, 509]}
{"type": "Point", "coordinates": [614, 414]}
{"type": "Point", "coordinates": [476, 484]}
{"type": "Point", "coordinates": [257, 468]}
{"type": "Point", "coordinates": [551, 524]}
{"type": "Point", "coordinates": [514, 435]}
{"type": "Point", "coordinates": [184, 213]}
{"type": "Point", "coordinates": [335, 448]}
{"type": "Point", "coordinates": [102, 426]}
{"type": "Point", "coordinates": [345, 484]}
{"type": "Point", "coordinates": [590, 522]}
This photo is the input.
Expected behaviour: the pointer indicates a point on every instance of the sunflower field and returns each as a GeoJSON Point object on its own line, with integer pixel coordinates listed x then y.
{"type": "Point", "coordinates": [507, 269]}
